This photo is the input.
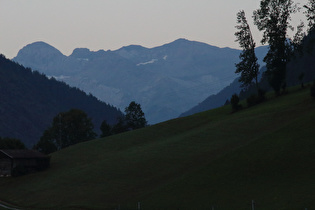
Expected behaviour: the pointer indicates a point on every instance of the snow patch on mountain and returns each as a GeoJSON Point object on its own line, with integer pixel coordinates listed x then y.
{"type": "Point", "coordinates": [59, 78]}
{"type": "Point", "coordinates": [148, 62]}
{"type": "Point", "coordinates": [83, 59]}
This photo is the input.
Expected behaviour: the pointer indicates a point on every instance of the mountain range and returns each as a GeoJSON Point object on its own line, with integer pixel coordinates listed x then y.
{"type": "Point", "coordinates": [166, 80]}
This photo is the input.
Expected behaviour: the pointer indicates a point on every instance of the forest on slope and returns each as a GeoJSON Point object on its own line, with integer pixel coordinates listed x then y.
{"type": "Point", "coordinates": [29, 101]}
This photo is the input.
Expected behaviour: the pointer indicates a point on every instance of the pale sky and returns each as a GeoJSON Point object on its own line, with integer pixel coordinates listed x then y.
{"type": "Point", "coordinates": [112, 24]}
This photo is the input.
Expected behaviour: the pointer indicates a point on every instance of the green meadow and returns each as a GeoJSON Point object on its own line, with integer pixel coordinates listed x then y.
{"type": "Point", "coordinates": [211, 160]}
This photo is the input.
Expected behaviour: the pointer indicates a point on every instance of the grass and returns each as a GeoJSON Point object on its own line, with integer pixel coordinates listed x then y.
{"type": "Point", "coordinates": [215, 158]}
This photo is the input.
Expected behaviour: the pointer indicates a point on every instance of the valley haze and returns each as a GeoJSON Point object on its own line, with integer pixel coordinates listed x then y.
{"type": "Point", "coordinates": [166, 80]}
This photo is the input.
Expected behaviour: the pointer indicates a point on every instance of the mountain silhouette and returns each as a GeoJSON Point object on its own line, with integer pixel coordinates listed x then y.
{"type": "Point", "coordinates": [166, 80]}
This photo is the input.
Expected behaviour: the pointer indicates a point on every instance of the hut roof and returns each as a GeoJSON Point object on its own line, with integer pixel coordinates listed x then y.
{"type": "Point", "coordinates": [24, 153]}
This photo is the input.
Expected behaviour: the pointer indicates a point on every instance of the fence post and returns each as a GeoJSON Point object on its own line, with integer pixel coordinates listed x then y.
{"type": "Point", "coordinates": [139, 206]}
{"type": "Point", "coordinates": [253, 205]}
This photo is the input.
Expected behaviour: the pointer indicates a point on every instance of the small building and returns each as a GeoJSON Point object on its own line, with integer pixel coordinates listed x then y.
{"type": "Point", "coordinates": [19, 162]}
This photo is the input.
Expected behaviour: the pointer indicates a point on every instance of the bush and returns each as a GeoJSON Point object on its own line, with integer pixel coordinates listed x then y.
{"type": "Point", "coordinates": [254, 99]}
{"type": "Point", "coordinates": [11, 143]}
{"type": "Point", "coordinates": [235, 102]}
{"type": "Point", "coordinates": [261, 95]}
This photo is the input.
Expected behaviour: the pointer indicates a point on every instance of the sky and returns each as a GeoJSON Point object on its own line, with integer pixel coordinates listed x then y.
{"type": "Point", "coordinates": [112, 24]}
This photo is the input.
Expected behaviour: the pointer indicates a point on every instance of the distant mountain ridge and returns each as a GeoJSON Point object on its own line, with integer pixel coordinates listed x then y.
{"type": "Point", "coordinates": [30, 101]}
{"type": "Point", "coordinates": [166, 80]}
{"type": "Point", "coordinates": [215, 100]}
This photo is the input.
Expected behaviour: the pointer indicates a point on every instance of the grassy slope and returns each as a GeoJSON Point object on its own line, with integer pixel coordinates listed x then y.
{"type": "Point", "coordinates": [265, 153]}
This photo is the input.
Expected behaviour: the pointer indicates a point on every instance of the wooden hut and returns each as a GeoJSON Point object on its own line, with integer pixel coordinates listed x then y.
{"type": "Point", "coordinates": [19, 162]}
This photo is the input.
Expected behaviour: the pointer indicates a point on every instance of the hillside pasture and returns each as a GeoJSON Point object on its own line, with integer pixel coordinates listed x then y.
{"type": "Point", "coordinates": [214, 159]}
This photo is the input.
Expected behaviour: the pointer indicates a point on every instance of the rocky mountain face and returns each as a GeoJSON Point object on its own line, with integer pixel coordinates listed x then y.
{"type": "Point", "coordinates": [166, 80]}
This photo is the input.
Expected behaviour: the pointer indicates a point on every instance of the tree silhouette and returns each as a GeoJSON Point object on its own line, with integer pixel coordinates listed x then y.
{"type": "Point", "coordinates": [120, 126]}
{"type": "Point", "coordinates": [134, 116]}
{"type": "Point", "coordinates": [273, 19]}
{"type": "Point", "coordinates": [235, 102]}
{"type": "Point", "coordinates": [47, 143]}
{"type": "Point", "coordinates": [11, 143]}
{"type": "Point", "coordinates": [68, 128]}
{"type": "Point", "coordinates": [106, 129]}
{"type": "Point", "coordinates": [248, 66]}
{"type": "Point", "coordinates": [310, 14]}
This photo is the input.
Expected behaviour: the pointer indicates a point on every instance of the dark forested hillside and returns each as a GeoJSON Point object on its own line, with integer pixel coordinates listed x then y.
{"type": "Point", "coordinates": [303, 63]}
{"type": "Point", "coordinates": [29, 101]}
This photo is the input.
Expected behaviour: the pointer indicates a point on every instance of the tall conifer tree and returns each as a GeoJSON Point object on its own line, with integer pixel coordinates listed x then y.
{"type": "Point", "coordinates": [248, 66]}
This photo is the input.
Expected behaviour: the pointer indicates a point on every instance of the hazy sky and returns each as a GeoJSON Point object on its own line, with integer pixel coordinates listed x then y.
{"type": "Point", "coordinates": [111, 24]}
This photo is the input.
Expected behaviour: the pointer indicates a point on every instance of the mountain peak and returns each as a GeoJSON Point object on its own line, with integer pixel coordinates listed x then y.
{"type": "Point", "coordinates": [38, 50]}
{"type": "Point", "coordinates": [182, 40]}
{"type": "Point", "coordinates": [184, 43]}
{"type": "Point", "coordinates": [81, 53]}
{"type": "Point", "coordinates": [130, 48]}
{"type": "Point", "coordinates": [41, 46]}
{"type": "Point", "coordinates": [38, 53]}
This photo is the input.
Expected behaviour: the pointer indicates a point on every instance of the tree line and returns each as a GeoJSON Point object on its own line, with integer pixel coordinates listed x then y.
{"type": "Point", "coordinates": [273, 18]}
{"type": "Point", "coordinates": [74, 126]}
